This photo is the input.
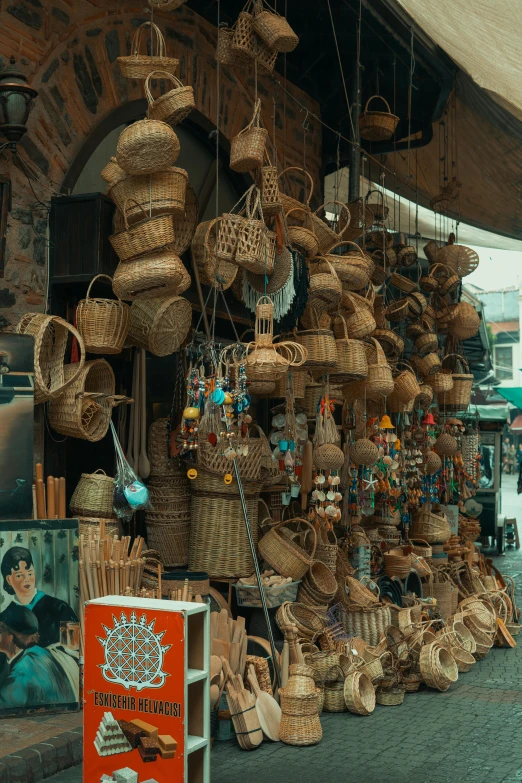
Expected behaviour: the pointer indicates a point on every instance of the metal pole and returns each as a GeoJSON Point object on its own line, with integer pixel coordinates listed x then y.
{"type": "Point", "coordinates": [354, 156]}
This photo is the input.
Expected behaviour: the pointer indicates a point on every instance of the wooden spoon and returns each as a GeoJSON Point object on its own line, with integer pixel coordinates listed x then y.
{"type": "Point", "coordinates": [268, 710]}
{"type": "Point", "coordinates": [143, 464]}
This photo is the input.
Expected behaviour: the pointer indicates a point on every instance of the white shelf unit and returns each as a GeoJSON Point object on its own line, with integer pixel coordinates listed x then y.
{"type": "Point", "coordinates": [197, 691]}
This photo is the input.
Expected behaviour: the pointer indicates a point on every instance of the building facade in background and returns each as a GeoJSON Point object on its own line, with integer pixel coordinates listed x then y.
{"type": "Point", "coordinates": [503, 315]}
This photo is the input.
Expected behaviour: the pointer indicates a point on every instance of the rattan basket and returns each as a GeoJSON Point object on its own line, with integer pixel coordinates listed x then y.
{"type": "Point", "coordinates": [377, 125]}
{"type": "Point", "coordinates": [364, 452]}
{"type": "Point", "coordinates": [438, 667]}
{"type": "Point", "coordinates": [325, 291]}
{"type": "Point", "coordinates": [430, 526]}
{"type": "Point", "coordinates": [161, 464]}
{"type": "Point", "coordinates": [138, 66]}
{"type": "Point", "coordinates": [111, 173]}
{"type": "Point", "coordinates": [458, 397]}
{"type": "Point", "coordinates": [320, 346]}
{"type": "Point", "coordinates": [390, 697]}
{"type": "Point", "coordinates": [358, 316]}
{"type": "Point", "coordinates": [51, 335]}
{"type": "Point", "coordinates": [171, 538]}
{"type": "Point", "coordinates": [172, 106]}
{"type": "Point", "coordinates": [147, 195]}
{"type": "Point", "coordinates": [274, 29]}
{"type": "Point", "coordinates": [247, 44]}
{"type": "Point", "coordinates": [84, 409]}
{"type": "Point", "coordinates": [351, 362]}
{"type": "Point", "coordinates": [367, 622]}
{"type": "Point", "coordinates": [247, 149]}
{"type": "Point", "coordinates": [88, 525]}
{"type": "Point", "coordinates": [149, 276]}
{"type": "Point", "coordinates": [256, 245]}
{"type": "Point", "coordinates": [214, 270]}
{"type": "Point", "coordinates": [301, 232]}
{"type": "Point", "coordinates": [463, 260]}
{"type": "Point", "coordinates": [354, 268]}
{"type": "Point", "coordinates": [283, 554]}
{"type": "Point", "coordinates": [441, 381]}
{"type": "Point", "coordinates": [147, 146]}
{"type": "Point", "coordinates": [268, 184]}
{"type": "Point", "coordinates": [446, 445]}
{"type": "Point", "coordinates": [160, 325]}
{"type": "Point", "coordinates": [93, 496]}
{"type": "Point", "coordinates": [142, 238]}
{"type": "Point", "coordinates": [103, 323]}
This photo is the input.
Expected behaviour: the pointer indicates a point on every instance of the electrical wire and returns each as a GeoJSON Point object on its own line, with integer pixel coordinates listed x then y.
{"type": "Point", "coordinates": [348, 106]}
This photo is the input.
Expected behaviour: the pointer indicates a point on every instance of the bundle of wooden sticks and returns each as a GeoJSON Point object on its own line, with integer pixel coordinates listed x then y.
{"type": "Point", "coordinates": [107, 567]}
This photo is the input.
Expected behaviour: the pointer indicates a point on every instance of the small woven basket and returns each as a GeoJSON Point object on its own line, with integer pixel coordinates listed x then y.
{"type": "Point", "coordinates": [325, 291]}
{"type": "Point", "coordinates": [160, 325]}
{"type": "Point", "coordinates": [457, 398]}
{"type": "Point", "coordinates": [390, 697]}
{"type": "Point", "coordinates": [268, 182]}
{"type": "Point", "coordinates": [147, 146]}
{"type": "Point", "coordinates": [214, 269]}
{"type": "Point", "coordinates": [359, 693]}
{"type": "Point", "coordinates": [138, 66]}
{"type": "Point", "coordinates": [84, 409]}
{"type": "Point", "coordinates": [103, 323]}
{"type": "Point", "coordinates": [354, 268]}
{"type": "Point", "coordinates": [247, 44]}
{"type": "Point", "coordinates": [93, 496]}
{"type": "Point", "coordinates": [111, 173]}
{"type": "Point", "coordinates": [247, 149]}
{"type": "Point", "coordinates": [274, 29]}
{"type": "Point", "coordinates": [377, 125]}
{"type": "Point", "coordinates": [173, 106]}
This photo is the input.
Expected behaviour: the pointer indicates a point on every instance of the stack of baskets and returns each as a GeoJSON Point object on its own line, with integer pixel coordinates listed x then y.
{"type": "Point", "coordinates": [318, 586]}
{"type": "Point", "coordinates": [168, 519]}
{"type": "Point", "coordinates": [300, 724]}
{"type": "Point", "coordinates": [91, 502]}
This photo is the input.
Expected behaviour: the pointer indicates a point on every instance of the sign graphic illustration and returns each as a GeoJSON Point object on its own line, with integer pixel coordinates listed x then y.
{"type": "Point", "coordinates": [133, 653]}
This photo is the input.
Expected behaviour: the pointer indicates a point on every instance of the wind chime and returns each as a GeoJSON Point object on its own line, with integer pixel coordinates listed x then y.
{"type": "Point", "coordinates": [328, 460]}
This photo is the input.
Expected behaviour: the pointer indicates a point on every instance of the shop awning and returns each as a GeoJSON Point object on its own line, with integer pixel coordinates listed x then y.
{"type": "Point", "coordinates": [490, 412]}
{"type": "Point", "coordinates": [514, 396]}
{"type": "Point", "coordinates": [516, 426]}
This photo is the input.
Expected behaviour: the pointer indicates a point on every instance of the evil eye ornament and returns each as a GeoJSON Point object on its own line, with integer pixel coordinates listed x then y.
{"type": "Point", "coordinates": [136, 494]}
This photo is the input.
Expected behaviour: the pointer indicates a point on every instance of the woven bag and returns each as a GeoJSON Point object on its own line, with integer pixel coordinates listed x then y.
{"type": "Point", "coordinates": [377, 125]}
{"type": "Point", "coordinates": [354, 268]}
{"type": "Point", "coordinates": [247, 149]}
{"type": "Point", "coordinates": [224, 52]}
{"type": "Point", "coordinates": [84, 409]}
{"type": "Point", "coordinates": [274, 29]}
{"type": "Point", "coordinates": [147, 146]}
{"type": "Point", "coordinates": [256, 245]}
{"type": "Point", "coordinates": [173, 106]}
{"type": "Point", "coordinates": [138, 66]}
{"type": "Point", "coordinates": [51, 335]}
{"type": "Point", "coordinates": [145, 237]}
{"type": "Point", "coordinates": [93, 496]}
{"type": "Point", "coordinates": [283, 554]}
{"type": "Point", "coordinates": [325, 291]}
{"type": "Point", "coordinates": [103, 323]}
{"type": "Point", "coordinates": [148, 195]}
{"type": "Point", "coordinates": [155, 275]}
{"type": "Point", "coordinates": [160, 325]}
{"type": "Point", "coordinates": [213, 268]}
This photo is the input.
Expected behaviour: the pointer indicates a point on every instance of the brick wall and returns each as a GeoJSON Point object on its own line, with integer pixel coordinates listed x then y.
{"type": "Point", "coordinates": [68, 50]}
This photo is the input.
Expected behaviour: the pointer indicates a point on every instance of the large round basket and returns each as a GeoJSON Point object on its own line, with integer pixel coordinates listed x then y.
{"type": "Point", "coordinates": [368, 622]}
{"type": "Point", "coordinates": [51, 335]}
{"type": "Point", "coordinates": [283, 554]}
{"type": "Point", "coordinates": [160, 325]}
{"type": "Point", "coordinates": [161, 193]}
{"type": "Point", "coordinates": [156, 275]}
{"type": "Point", "coordinates": [93, 496]}
{"type": "Point", "coordinates": [364, 452]}
{"type": "Point", "coordinates": [147, 146]}
{"type": "Point", "coordinates": [84, 410]}
{"type": "Point", "coordinates": [103, 323]}
{"type": "Point", "coordinates": [138, 66]}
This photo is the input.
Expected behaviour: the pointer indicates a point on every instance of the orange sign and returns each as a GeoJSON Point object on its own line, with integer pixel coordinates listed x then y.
{"type": "Point", "coordinates": [133, 692]}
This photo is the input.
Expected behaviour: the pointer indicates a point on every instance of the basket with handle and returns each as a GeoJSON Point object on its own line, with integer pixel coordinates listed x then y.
{"type": "Point", "coordinates": [334, 690]}
{"type": "Point", "coordinates": [379, 380]}
{"type": "Point", "coordinates": [224, 52]}
{"type": "Point", "coordinates": [319, 343]}
{"type": "Point", "coordinates": [248, 45]}
{"type": "Point", "coordinates": [283, 554]}
{"type": "Point", "coordinates": [51, 335]}
{"type": "Point", "coordinates": [161, 193]}
{"type": "Point", "coordinates": [328, 237]}
{"type": "Point", "coordinates": [254, 466]}
{"type": "Point", "coordinates": [268, 183]}
{"type": "Point", "coordinates": [361, 219]}
{"type": "Point", "coordinates": [155, 275]}
{"type": "Point", "coordinates": [406, 385]}
{"type": "Point", "coordinates": [256, 245]}
{"type": "Point", "coordinates": [301, 234]}
{"type": "Point", "coordinates": [138, 66]}
{"type": "Point", "coordinates": [358, 317]}
{"type": "Point", "coordinates": [377, 125]}
{"type": "Point", "coordinates": [93, 496]}
{"type": "Point", "coordinates": [147, 146]}
{"type": "Point", "coordinates": [289, 202]}
{"type": "Point", "coordinates": [430, 526]}
{"type": "Point", "coordinates": [214, 269]}
{"type": "Point", "coordinates": [160, 325]}
{"type": "Point", "coordinates": [441, 381]}
{"type": "Point", "coordinates": [326, 550]}
{"type": "Point", "coordinates": [247, 149]}
{"type": "Point", "coordinates": [354, 268]}
{"type": "Point", "coordinates": [351, 362]}
{"type": "Point", "coordinates": [458, 397]}
{"type": "Point", "coordinates": [325, 291]}
{"type": "Point", "coordinates": [427, 365]}
{"type": "Point", "coordinates": [379, 209]}
{"type": "Point", "coordinates": [273, 28]}
{"type": "Point", "coordinates": [173, 106]}
{"type": "Point", "coordinates": [145, 237]}
{"type": "Point", "coordinates": [103, 323]}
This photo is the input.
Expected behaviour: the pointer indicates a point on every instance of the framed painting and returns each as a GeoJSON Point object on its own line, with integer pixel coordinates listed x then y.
{"type": "Point", "coordinates": [16, 425]}
{"type": "Point", "coordinates": [39, 616]}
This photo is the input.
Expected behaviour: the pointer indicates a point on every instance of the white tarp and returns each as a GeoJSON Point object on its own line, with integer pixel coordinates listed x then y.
{"type": "Point", "coordinates": [484, 38]}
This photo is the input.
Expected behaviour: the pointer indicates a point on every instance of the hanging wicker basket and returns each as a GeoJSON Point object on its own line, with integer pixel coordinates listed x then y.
{"type": "Point", "coordinates": [327, 236]}
{"type": "Point", "coordinates": [364, 452]}
{"type": "Point", "coordinates": [301, 235]}
{"type": "Point", "coordinates": [103, 323]}
{"type": "Point", "coordinates": [247, 149]}
{"type": "Point", "coordinates": [93, 496]}
{"type": "Point", "coordinates": [268, 183]}
{"type": "Point", "coordinates": [156, 275]}
{"type": "Point", "coordinates": [51, 335]}
{"type": "Point", "coordinates": [145, 237]}
{"type": "Point", "coordinates": [274, 29]}
{"type": "Point", "coordinates": [173, 106]}
{"type": "Point", "coordinates": [248, 45]}
{"type": "Point", "coordinates": [256, 245]}
{"type": "Point", "coordinates": [147, 146]}
{"type": "Point", "coordinates": [463, 260]}
{"type": "Point", "coordinates": [465, 322]}
{"type": "Point", "coordinates": [289, 202]}
{"type": "Point", "coordinates": [148, 195]}
{"type": "Point", "coordinates": [377, 125]}
{"type": "Point", "coordinates": [446, 445]}
{"type": "Point", "coordinates": [353, 268]}
{"type": "Point", "coordinates": [406, 385]}
{"type": "Point", "coordinates": [160, 325]}
{"type": "Point", "coordinates": [325, 291]}
{"type": "Point", "coordinates": [213, 269]}
{"type": "Point", "coordinates": [441, 381]}
{"type": "Point", "coordinates": [379, 380]}
{"type": "Point", "coordinates": [84, 410]}
{"type": "Point", "coordinates": [351, 362]}
{"type": "Point", "coordinates": [111, 173]}
{"type": "Point", "coordinates": [457, 398]}
{"type": "Point", "coordinates": [138, 66]}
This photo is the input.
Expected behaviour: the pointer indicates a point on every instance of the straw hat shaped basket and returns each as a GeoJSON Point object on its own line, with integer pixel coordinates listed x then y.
{"type": "Point", "coordinates": [147, 146]}
{"type": "Point", "coordinates": [463, 260]}
{"type": "Point", "coordinates": [161, 193]}
{"type": "Point", "coordinates": [274, 29]}
{"type": "Point", "coordinates": [138, 66]}
{"type": "Point", "coordinates": [51, 335]}
{"type": "Point", "coordinates": [103, 323]}
{"type": "Point", "coordinates": [458, 397]}
{"type": "Point", "coordinates": [377, 125]}
{"type": "Point", "coordinates": [84, 409]}
{"type": "Point", "coordinates": [160, 325]}
{"type": "Point", "coordinates": [354, 268]}
{"type": "Point", "coordinates": [93, 496]}
{"type": "Point", "coordinates": [145, 237]}
{"type": "Point", "coordinates": [150, 276]}
{"type": "Point", "coordinates": [247, 149]}
{"type": "Point", "coordinates": [214, 270]}
{"type": "Point", "coordinates": [279, 548]}
{"type": "Point", "coordinates": [325, 291]}
{"type": "Point", "coordinates": [172, 106]}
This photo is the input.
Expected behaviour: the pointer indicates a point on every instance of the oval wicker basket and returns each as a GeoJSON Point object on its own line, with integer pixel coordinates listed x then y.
{"type": "Point", "coordinates": [93, 496]}
{"type": "Point", "coordinates": [147, 195]}
{"type": "Point", "coordinates": [103, 323]}
{"type": "Point", "coordinates": [432, 528]}
{"type": "Point", "coordinates": [149, 276]}
{"type": "Point", "coordinates": [84, 410]}
{"type": "Point", "coordinates": [51, 335]}
{"type": "Point", "coordinates": [214, 270]}
{"type": "Point", "coordinates": [173, 106]}
{"type": "Point", "coordinates": [147, 146]}
{"type": "Point", "coordinates": [138, 66]}
{"type": "Point", "coordinates": [438, 667]}
{"type": "Point", "coordinates": [247, 149]}
{"type": "Point", "coordinates": [147, 236]}
{"type": "Point", "coordinates": [377, 125]}
{"type": "Point", "coordinates": [160, 325]}
{"type": "Point", "coordinates": [283, 554]}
